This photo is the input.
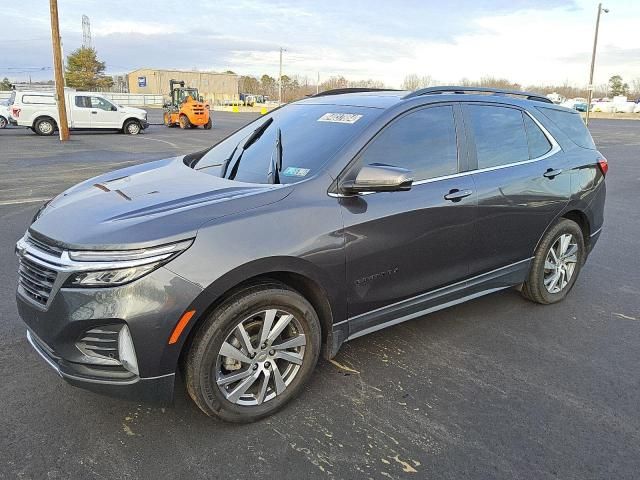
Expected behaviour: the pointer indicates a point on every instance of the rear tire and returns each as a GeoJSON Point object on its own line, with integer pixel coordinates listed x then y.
{"type": "Point", "coordinates": [556, 264]}
{"type": "Point", "coordinates": [3, 122]}
{"type": "Point", "coordinates": [184, 122]}
{"type": "Point", "coordinates": [45, 126]}
{"type": "Point", "coordinates": [271, 372]}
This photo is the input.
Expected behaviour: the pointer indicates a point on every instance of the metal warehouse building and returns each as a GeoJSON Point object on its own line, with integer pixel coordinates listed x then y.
{"type": "Point", "coordinates": [215, 87]}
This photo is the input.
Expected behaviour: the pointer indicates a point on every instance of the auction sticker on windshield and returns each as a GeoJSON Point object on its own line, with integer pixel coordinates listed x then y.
{"type": "Point", "coordinates": [340, 117]}
{"type": "Point", "coordinates": [295, 172]}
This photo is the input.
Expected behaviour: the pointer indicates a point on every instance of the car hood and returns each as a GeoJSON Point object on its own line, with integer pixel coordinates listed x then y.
{"type": "Point", "coordinates": [145, 205]}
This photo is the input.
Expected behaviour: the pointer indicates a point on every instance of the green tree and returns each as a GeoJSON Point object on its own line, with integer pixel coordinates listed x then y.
{"type": "Point", "coordinates": [85, 72]}
{"type": "Point", "coordinates": [5, 84]}
{"type": "Point", "coordinates": [248, 84]}
{"type": "Point", "coordinates": [267, 84]}
{"type": "Point", "coordinates": [617, 86]}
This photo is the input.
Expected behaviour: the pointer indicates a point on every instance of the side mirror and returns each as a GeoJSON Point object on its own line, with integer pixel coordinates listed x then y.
{"type": "Point", "coordinates": [379, 178]}
{"type": "Point", "coordinates": [114, 108]}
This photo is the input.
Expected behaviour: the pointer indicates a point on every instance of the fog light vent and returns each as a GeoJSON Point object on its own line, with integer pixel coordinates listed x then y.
{"type": "Point", "coordinates": [101, 345]}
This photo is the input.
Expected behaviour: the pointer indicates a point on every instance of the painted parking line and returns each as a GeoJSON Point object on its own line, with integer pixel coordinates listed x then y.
{"type": "Point", "coordinates": [18, 201]}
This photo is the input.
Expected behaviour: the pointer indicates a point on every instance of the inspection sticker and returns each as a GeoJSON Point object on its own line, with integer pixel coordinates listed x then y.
{"type": "Point", "coordinates": [340, 117]}
{"type": "Point", "coordinates": [295, 172]}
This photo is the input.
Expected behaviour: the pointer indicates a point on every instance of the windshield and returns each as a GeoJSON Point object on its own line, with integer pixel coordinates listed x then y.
{"type": "Point", "coordinates": [183, 94]}
{"type": "Point", "coordinates": [309, 134]}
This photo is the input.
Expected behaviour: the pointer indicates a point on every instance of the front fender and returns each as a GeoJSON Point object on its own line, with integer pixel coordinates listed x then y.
{"type": "Point", "coordinates": [213, 294]}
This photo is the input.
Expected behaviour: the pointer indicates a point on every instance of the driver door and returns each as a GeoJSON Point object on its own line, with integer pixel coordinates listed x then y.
{"type": "Point", "coordinates": [104, 114]}
{"type": "Point", "coordinates": [402, 244]}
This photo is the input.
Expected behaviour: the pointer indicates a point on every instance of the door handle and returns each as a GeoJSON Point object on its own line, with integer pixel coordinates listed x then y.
{"type": "Point", "coordinates": [94, 112]}
{"type": "Point", "coordinates": [456, 195]}
{"type": "Point", "coordinates": [551, 173]}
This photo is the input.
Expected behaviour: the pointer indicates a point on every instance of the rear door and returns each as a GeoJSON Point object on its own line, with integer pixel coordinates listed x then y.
{"type": "Point", "coordinates": [521, 183]}
{"type": "Point", "coordinates": [81, 112]}
{"type": "Point", "coordinates": [401, 244]}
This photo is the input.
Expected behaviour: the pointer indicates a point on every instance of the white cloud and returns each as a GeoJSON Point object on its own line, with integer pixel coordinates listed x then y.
{"type": "Point", "coordinates": [359, 39]}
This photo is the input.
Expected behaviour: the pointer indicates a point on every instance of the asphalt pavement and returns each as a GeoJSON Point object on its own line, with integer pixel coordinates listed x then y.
{"type": "Point", "coordinates": [496, 388]}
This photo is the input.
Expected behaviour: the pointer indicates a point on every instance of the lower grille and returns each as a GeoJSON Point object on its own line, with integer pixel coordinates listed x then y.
{"type": "Point", "coordinates": [35, 280]}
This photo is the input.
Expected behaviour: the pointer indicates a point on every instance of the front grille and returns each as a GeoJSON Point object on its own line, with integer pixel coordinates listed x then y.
{"type": "Point", "coordinates": [44, 247]}
{"type": "Point", "coordinates": [101, 344]}
{"type": "Point", "coordinates": [35, 280]}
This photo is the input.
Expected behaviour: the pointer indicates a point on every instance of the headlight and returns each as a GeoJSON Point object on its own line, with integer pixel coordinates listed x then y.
{"type": "Point", "coordinates": [108, 268]}
{"type": "Point", "coordinates": [108, 278]}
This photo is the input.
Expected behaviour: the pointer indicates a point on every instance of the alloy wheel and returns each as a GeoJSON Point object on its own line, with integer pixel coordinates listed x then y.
{"type": "Point", "coordinates": [260, 357]}
{"type": "Point", "coordinates": [560, 263]}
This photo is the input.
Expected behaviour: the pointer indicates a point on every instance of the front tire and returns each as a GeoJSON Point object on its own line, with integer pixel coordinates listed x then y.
{"type": "Point", "coordinates": [184, 122]}
{"type": "Point", "coordinates": [167, 120]}
{"type": "Point", "coordinates": [208, 125]}
{"type": "Point", "coordinates": [132, 127]}
{"type": "Point", "coordinates": [556, 264]}
{"type": "Point", "coordinates": [45, 126]}
{"type": "Point", "coordinates": [3, 122]}
{"type": "Point", "coordinates": [253, 354]}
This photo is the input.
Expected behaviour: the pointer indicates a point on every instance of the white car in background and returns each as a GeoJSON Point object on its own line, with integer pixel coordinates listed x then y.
{"type": "Point", "coordinates": [38, 111]}
{"type": "Point", "coordinates": [4, 114]}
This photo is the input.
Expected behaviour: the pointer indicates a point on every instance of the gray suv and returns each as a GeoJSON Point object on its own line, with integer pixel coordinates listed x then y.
{"type": "Point", "coordinates": [320, 222]}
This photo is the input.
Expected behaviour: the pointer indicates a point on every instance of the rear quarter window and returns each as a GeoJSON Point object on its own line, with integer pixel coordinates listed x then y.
{"type": "Point", "coordinates": [571, 125]}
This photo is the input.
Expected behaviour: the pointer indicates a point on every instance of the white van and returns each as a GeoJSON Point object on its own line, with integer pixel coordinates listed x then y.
{"type": "Point", "coordinates": [85, 111]}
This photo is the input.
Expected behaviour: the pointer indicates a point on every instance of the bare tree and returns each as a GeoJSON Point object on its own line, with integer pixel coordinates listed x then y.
{"type": "Point", "coordinates": [414, 82]}
{"type": "Point", "coordinates": [635, 87]}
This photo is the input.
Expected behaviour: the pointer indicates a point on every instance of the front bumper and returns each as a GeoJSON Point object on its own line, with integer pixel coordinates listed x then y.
{"type": "Point", "coordinates": [69, 328]}
{"type": "Point", "coordinates": [158, 390]}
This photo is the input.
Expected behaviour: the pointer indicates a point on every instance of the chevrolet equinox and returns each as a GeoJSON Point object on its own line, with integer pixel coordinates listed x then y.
{"type": "Point", "coordinates": [317, 223]}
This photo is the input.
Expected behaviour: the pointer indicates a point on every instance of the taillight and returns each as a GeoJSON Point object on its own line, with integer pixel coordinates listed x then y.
{"type": "Point", "coordinates": [604, 165]}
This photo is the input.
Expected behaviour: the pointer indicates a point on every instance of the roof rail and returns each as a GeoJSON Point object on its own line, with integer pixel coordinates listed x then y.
{"type": "Point", "coordinates": [338, 91]}
{"type": "Point", "coordinates": [458, 89]}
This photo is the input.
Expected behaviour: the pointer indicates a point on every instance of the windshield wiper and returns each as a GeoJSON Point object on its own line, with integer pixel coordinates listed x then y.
{"type": "Point", "coordinates": [257, 133]}
{"type": "Point", "coordinates": [275, 166]}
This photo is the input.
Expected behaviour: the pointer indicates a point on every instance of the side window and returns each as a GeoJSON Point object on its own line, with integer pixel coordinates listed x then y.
{"type": "Point", "coordinates": [538, 142]}
{"type": "Point", "coordinates": [101, 103]}
{"type": "Point", "coordinates": [82, 101]}
{"type": "Point", "coordinates": [39, 99]}
{"type": "Point", "coordinates": [423, 142]}
{"type": "Point", "coordinates": [499, 134]}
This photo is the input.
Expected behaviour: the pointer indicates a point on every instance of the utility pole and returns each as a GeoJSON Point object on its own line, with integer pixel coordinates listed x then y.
{"type": "Point", "coordinates": [63, 125]}
{"type": "Point", "coordinates": [280, 77]}
{"type": "Point", "coordinates": [318, 84]}
{"type": "Point", "coordinates": [593, 62]}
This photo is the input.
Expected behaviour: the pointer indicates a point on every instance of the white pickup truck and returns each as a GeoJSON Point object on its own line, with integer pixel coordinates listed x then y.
{"type": "Point", "coordinates": [85, 111]}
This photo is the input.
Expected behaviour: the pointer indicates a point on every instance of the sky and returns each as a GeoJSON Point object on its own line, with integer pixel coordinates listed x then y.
{"type": "Point", "coordinates": [527, 41]}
